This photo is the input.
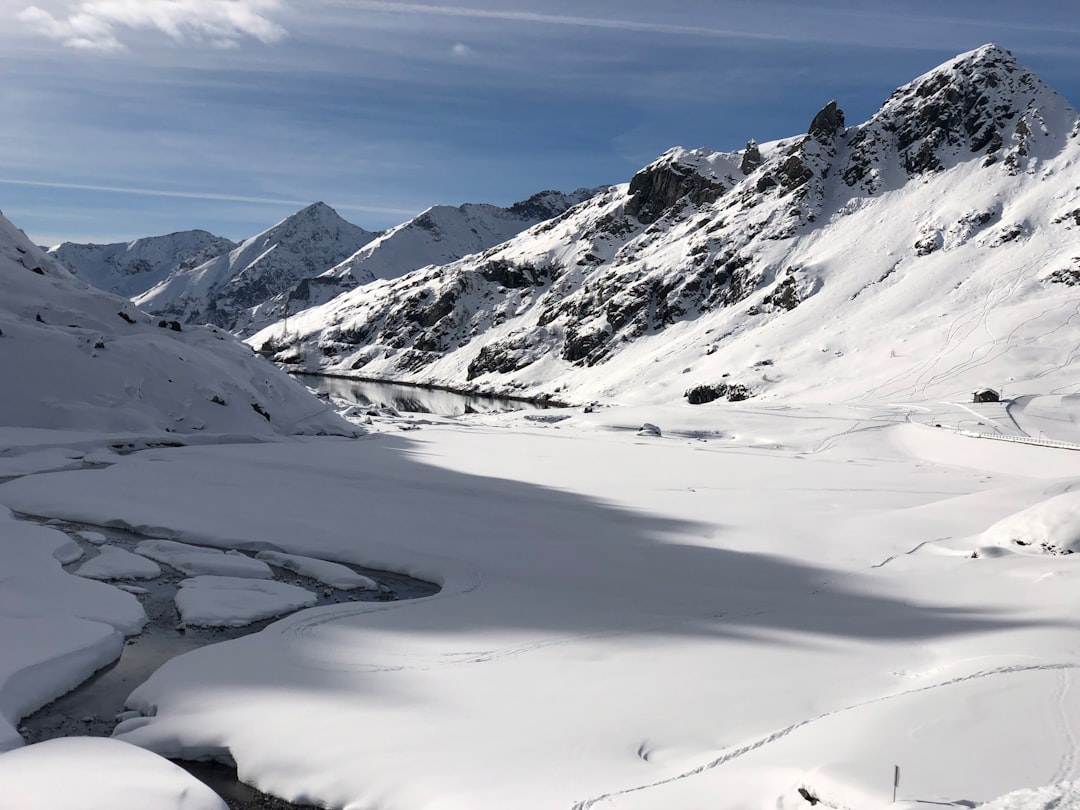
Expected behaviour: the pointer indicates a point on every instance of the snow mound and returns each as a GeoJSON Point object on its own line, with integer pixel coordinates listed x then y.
{"type": "Point", "coordinates": [196, 560]}
{"type": "Point", "coordinates": [89, 773]}
{"type": "Point", "coordinates": [213, 601]}
{"type": "Point", "coordinates": [328, 573]}
{"type": "Point", "coordinates": [1062, 796]}
{"type": "Point", "coordinates": [116, 563]}
{"type": "Point", "coordinates": [1049, 527]}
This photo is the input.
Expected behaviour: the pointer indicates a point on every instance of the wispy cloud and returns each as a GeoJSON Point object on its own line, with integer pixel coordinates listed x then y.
{"type": "Point", "coordinates": [196, 195]}
{"type": "Point", "coordinates": [609, 23]}
{"type": "Point", "coordinates": [100, 24]}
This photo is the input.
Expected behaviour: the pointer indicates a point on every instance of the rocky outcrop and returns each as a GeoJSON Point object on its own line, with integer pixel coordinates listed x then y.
{"type": "Point", "coordinates": [656, 189]}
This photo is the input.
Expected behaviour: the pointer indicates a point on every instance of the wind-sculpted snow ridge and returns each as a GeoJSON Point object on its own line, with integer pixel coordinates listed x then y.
{"type": "Point", "coordinates": [132, 268]}
{"type": "Point", "coordinates": [439, 235]}
{"type": "Point", "coordinates": [924, 253]}
{"type": "Point", "coordinates": [76, 358]}
{"type": "Point", "coordinates": [228, 290]}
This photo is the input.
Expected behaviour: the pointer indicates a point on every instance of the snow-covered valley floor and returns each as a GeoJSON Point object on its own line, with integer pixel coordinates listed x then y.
{"type": "Point", "coordinates": [761, 599]}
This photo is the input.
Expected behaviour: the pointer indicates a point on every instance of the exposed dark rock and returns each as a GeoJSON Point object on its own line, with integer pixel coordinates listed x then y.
{"type": "Point", "coordinates": [260, 410]}
{"type": "Point", "coordinates": [1069, 276]}
{"type": "Point", "coordinates": [125, 316]}
{"type": "Point", "coordinates": [765, 182]}
{"type": "Point", "coordinates": [751, 158]}
{"type": "Point", "coordinates": [827, 123]}
{"type": "Point", "coordinates": [732, 392]}
{"type": "Point", "coordinates": [929, 242]}
{"type": "Point", "coordinates": [1069, 218]}
{"type": "Point", "coordinates": [658, 187]}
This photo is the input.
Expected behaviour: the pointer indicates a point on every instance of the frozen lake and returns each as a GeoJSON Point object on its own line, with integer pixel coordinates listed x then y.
{"type": "Point", "coordinates": [412, 398]}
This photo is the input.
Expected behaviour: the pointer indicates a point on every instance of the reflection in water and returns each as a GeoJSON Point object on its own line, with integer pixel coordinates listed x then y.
{"type": "Point", "coordinates": [414, 399]}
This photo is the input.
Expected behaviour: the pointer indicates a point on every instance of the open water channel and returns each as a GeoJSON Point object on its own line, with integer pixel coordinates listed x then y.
{"type": "Point", "coordinates": [96, 706]}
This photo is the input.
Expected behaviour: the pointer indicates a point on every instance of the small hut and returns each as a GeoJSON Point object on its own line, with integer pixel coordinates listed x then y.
{"type": "Point", "coordinates": [986, 395]}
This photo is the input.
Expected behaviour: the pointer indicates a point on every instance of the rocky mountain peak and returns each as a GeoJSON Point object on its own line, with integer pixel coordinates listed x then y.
{"type": "Point", "coordinates": [982, 101]}
{"type": "Point", "coordinates": [827, 123]}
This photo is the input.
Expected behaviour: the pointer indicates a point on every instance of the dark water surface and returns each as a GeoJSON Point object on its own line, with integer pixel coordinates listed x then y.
{"type": "Point", "coordinates": [413, 398]}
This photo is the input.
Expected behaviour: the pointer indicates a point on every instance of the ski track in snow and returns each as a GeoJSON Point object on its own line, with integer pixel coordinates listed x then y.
{"type": "Point", "coordinates": [1071, 754]}
{"type": "Point", "coordinates": [1068, 757]}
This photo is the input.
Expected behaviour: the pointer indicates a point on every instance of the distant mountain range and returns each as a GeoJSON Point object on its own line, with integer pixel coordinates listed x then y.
{"type": "Point", "coordinates": [306, 259]}
{"type": "Point", "coordinates": [927, 251]}
{"type": "Point", "coordinates": [76, 358]}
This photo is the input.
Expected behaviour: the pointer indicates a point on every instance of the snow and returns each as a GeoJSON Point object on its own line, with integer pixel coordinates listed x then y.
{"type": "Point", "coordinates": [328, 573]}
{"type": "Point", "coordinates": [131, 268]}
{"type": "Point", "coordinates": [1063, 796]}
{"type": "Point", "coordinates": [116, 563]}
{"type": "Point", "coordinates": [196, 560]}
{"type": "Point", "coordinates": [1049, 527]}
{"type": "Point", "coordinates": [146, 382]}
{"type": "Point", "coordinates": [443, 233]}
{"type": "Point", "coordinates": [85, 773]}
{"type": "Point", "coordinates": [229, 601]}
{"type": "Point", "coordinates": [756, 600]}
{"type": "Point", "coordinates": [44, 657]}
{"type": "Point", "coordinates": [228, 288]}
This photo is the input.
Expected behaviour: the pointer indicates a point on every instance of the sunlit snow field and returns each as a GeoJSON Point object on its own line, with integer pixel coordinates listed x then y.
{"type": "Point", "coordinates": [763, 598]}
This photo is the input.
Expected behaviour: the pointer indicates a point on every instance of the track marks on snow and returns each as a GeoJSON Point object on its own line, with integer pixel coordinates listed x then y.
{"type": "Point", "coordinates": [779, 734]}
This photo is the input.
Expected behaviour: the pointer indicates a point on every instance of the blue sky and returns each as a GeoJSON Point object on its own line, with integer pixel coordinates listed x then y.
{"type": "Point", "coordinates": [126, 118]}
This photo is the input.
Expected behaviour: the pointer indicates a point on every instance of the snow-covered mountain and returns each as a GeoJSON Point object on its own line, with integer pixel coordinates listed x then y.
{"type": "Point", "coordinates": [227, 289]}
{"type": "Point", "coordinates": [76, 358]}
{"type": "Point", "coordinates": [437, 236]}
{"type": "Point", "coordinates": [132, 268]}
{"type": "Point", "coordinates": [926, 252]}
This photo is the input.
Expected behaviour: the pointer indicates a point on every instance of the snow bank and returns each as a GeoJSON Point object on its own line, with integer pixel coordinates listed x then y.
{"type": "Point", "coordinates": [1062, 796]}
{"type": "Point", "coordinates": [88, 773]}
{"type": "Point", "coordinates": [116, 563]}
{"type": "Point", "coordinates": [32, 583]}
{"type": "Point", "coordinates": [43, 658]}
{"type": "Point", "coordinates": [213, 601]}
{"type": "Point", "coordinates": [1049, 527]}
{"type": "Point", "coordinates": [197, 560]}
{"type": "Point", "coordinates": [328, 573]}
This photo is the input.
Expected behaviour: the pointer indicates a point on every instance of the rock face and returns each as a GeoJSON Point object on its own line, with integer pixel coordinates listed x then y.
{"type": "Point", "coordinates": [229, 289]}
{"type": "Point", "coordinates": [708, 259]}
{"type": "Point", "coordinates": [132, 268]}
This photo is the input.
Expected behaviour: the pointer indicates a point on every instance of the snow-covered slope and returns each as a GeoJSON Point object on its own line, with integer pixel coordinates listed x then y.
{"type": "Point", "coordinates": [439, 235]}
{"type": "Point", "coordinates": [925, 252]}
{"type": "Point", "coordinates": [226, 289]}
{"type": "Point", "coordinates": [132, 268]}
{"type": "Point", "coordinates": [76, 358]}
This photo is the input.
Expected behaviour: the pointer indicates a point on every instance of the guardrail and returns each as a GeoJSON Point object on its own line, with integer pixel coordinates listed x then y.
{"type": "Point", "coordinates": [1020, 440]}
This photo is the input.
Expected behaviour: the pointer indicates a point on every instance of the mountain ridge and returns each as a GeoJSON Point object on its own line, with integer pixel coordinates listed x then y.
{"type": "Point", "coordinates": [703, 242]}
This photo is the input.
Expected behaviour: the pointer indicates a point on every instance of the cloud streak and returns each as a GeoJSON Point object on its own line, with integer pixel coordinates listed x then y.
{"type": "Point", "coordinates": [195, 195]}
{"type": "Point", "coordinates": [607, 23]}
{"type": "Point", "coordinates": [97, 24]}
